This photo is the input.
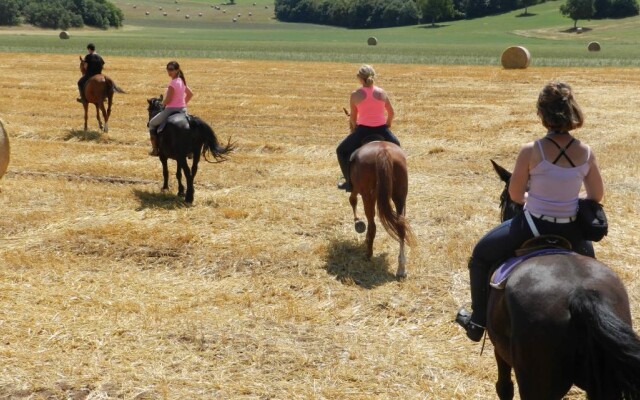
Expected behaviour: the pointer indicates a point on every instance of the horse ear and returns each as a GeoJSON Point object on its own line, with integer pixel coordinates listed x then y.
{"type": "Point", "coordinates": [502, 173]}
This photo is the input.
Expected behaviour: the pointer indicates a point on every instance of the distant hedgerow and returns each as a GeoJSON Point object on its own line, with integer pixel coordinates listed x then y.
{"type": "Point", "coordinates": [61, 14]}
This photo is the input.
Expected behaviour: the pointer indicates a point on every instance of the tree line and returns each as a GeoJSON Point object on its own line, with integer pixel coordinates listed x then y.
{"type": "Point", "coordinates": [387, 13]}
{"type": "Point", "coordinates": [61, 14]}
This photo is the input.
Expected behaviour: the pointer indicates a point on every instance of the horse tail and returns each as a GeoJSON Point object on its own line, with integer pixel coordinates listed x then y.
{"type": "Point", "coordinates": [111, 85]}
{"type": "Point", "coordinates": [609, 349]}
{"type": "Point", "coordinates": [211, 144]}
{"type": "Point", "coordinates": [393, 222]}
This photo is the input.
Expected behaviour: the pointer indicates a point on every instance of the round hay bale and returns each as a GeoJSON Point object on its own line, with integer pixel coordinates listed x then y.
{"type": "Point", "coordinates": [5, 149]}
{"type": "Point", "coordinates": [199, 14]}
{"type": "Point", "coordinates": [372, 41]}
{"type": "Point", "coordinates": [250, 14]}
{"type": "Point", "coordinates": [187, 16]}
{"type": "Point", "coordinates": [64, 35]}
{"type": "Point", "coordinates": [164, 13]}
{"type": "Point", "coordinates": [135, 6]}
{"type": "Point", "coordinates": [578, 30]}
{"type": "Point", "coordinates": [177, 9]}
{"type": "Point", "coordinates": [160, 8]}
{"type": "Point", "coordinates": [516, 57]}
{"type": "Point", "coordinates": [235, 20]}
{"type": "Point", "coordinates": [146, 13]}
{"type": "Point", "coordinates": [593, 46]}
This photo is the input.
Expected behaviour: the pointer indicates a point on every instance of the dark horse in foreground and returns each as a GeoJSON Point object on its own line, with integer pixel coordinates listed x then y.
{"type": "Point", "coordinates": [378, 174]}
{"type": "Point", "coordinates": [183, 136]}
{"type": "Point", "coordinates": [562, 320]}
{"type": "Point", "coordinates": [98, 89]}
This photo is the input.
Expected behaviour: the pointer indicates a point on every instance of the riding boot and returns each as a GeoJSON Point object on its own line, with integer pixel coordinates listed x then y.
{"type": "Point", "coordinates": [154, 145]}
{"type": "Point", "coordinates": [344, 166]}
{"type": "Point", "coordinates": [474, 323]}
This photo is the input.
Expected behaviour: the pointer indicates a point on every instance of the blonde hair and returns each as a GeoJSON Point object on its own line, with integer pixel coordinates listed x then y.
{"type": "Point", "coordinates": [366, 73]}
{"type": "Point", "coordinates": [558, 109]}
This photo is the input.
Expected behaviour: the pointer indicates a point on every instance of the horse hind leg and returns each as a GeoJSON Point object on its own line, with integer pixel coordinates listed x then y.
{"type": "Point", "coordinates": [98, 115]}
{"type": "Point", "coordinates": [370, 212]}
{"type": "Point", "coordinates": [359, 225]}
{"type": "Point", "coordinates": [504, 385]}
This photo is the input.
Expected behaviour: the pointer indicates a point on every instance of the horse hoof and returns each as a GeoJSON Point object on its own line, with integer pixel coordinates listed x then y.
{"type": "Point", "coordinates": [360, 226]}
{"type": "Point", "coordinates": [401, 277]}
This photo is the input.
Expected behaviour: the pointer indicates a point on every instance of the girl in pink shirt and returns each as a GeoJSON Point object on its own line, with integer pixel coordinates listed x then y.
{"type": "Point", "coordinates": [175, 100]}
{"type": "Point", "coordinates": [367, 120]}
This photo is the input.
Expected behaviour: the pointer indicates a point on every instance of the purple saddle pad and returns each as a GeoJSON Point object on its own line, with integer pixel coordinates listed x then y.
{"type": "Point", "coordinates": [499, 277]}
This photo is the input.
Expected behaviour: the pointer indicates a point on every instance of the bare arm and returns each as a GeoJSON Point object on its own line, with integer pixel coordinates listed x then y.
{"type": "Point", "coordinates": [390, 112]}
{"type": "Point", "coordinates": [189, 94]}
{"type": "Point", "coordinates": [520, 177]}
{"type": "Point", "coordinates": [168, 96]}
{"type": "Point", "coordinates": [593, 181]}
{"type": "Point", "coordinates": [354, 111]}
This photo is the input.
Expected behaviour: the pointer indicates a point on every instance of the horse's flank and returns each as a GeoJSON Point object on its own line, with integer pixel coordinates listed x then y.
{"type": "Point", "coordinates": [5, 149]}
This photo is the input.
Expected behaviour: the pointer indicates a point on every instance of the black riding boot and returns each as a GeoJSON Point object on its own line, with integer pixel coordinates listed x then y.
{"type": "Point", "coordinates": [344, 166]}
{"type": "Point", "coordinates": [475, 323]}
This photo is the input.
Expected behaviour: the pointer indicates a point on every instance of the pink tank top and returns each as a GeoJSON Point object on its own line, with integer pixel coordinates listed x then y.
{"type": "Point", "coordinates": [371, 110]}
{"type": "Point", "coordinates": [178, 98]}
{"type": "Point", "coordinates": [553, 190]}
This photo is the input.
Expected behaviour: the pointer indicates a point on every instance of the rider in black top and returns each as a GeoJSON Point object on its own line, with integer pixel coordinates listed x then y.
{"type": "Point", "coordinates": [93, 63]}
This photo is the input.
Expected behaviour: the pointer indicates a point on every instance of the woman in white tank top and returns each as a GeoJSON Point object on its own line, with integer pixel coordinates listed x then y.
{"type": "Point", "coordinates": [547, 179]}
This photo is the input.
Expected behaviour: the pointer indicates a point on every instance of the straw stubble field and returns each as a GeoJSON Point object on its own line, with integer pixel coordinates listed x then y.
{"type": "Point", "coordinates": [112, 289]}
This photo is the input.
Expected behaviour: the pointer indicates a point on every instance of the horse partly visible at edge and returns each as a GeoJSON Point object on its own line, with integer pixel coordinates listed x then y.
{"type": "Point", "coordinates": [98, 89]}
{"type": "Point", "coordinates": [562, 320]}
{"type": "Point", "coordinates": [185, 135]}
{"type": "Point", "coordinates": [379, 175]}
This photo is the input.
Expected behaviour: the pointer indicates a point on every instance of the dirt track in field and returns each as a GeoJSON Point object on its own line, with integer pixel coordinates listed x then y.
{"type": "Point", "coordinates": [111, 289]}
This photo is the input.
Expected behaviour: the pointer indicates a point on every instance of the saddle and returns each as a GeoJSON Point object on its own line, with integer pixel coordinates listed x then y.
{"type": "Point", "coordinates": [366, 140]}
{"type": "Point", "coordinates": [534, 247]}
{"type": "Point", "coordinates": [179, 119]}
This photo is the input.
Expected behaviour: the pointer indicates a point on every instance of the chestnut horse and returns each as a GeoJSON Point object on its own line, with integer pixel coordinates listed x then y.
{"type": "Point", "coordinates": [378, 174]}
{"type": "Point", "coordinates": [562, 320]}
{"type": "Point", "coordinates": [98, 89]}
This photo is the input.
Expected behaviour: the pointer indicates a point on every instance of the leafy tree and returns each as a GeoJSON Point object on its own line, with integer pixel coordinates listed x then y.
{"type": "Point", "coordinates": [436, 9]}
{"type": "Point", "coordinates": [623, 8]}
{"type": "Point", "coordinates": [577, 9]}
{"type": "Point", "coordinates": [9, 12]}
{"type": "Point", "coordinates": [601, 8]}
{"type": "Point", "coordinates": [526, 4]}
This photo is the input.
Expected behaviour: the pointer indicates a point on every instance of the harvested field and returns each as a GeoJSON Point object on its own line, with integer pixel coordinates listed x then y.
{"type": "Point", "coordinates": [112, 289]}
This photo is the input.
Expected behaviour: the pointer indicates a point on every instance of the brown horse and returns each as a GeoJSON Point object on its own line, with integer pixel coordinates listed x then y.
{"type": "Point", "coordinates": [562, 320]}
{"type": "Point", "coordinates": [98, 89]}
{"type": "Point", "coordinates": [378, 174]}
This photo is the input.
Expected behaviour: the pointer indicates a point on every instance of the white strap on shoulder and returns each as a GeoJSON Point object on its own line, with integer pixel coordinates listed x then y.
{"type": "Point", "coordinates": [532, 226]}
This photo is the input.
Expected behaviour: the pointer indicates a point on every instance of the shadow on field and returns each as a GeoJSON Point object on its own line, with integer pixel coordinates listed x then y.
{"type": "Point", "coordinates": [434, 26]}
{"type": "Point", "coordinates": [527, 14]}
{"type": "Point", "coordinates": [166, 201]}
{"type": "Point", "coordinates": [84, 136]}
{"type": "Point", "coordinates": [347, 261]}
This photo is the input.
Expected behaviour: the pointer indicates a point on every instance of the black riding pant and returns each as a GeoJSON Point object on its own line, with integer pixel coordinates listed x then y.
{"type": "Point", "coordinates": [354, 140]}
{"type": "Point", "coordinates": [83, 80]}
{"type": "Point", "coordinates": [501, 242]}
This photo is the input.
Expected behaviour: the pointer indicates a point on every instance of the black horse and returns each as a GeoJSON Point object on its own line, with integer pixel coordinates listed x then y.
{"type": "Point", "coordinates": [562, 320]}
{"type": "Point", "coordinates": [185, 137]}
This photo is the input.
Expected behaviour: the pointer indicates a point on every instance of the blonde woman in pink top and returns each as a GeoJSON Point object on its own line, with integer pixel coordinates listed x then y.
{"type": "Point", "coordinates": [175, 100]}
{"type": "Point", "coordinates": [371, 117]}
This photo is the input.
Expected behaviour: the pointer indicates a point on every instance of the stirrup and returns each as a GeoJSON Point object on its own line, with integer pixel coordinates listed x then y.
{"type": "Point", "coordinates": [346, 186]}
{"type": "Point", "coordinates": [474, 331]}
{"type": "Point", "coordinates": [79, 100]}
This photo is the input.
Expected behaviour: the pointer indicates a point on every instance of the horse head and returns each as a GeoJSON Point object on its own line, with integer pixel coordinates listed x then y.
{"type": "Point", "coordinates": [83, 66]}
{"type": "Point", "coordinates": [155, 106]}
{"type": "Point", "coordinates": [508, 207]}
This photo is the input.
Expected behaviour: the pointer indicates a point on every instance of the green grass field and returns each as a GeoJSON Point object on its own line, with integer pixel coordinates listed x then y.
{"type": "Point", "coordinates": [257, 35]}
